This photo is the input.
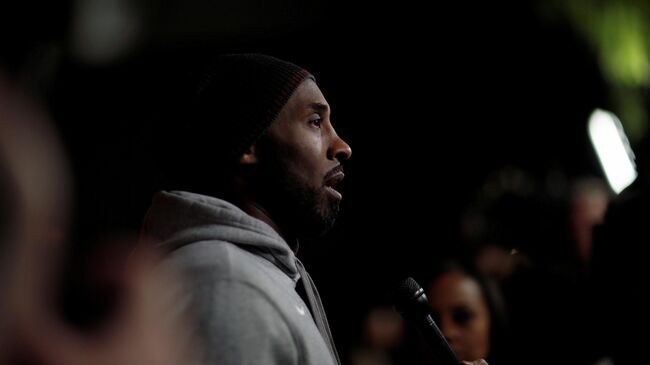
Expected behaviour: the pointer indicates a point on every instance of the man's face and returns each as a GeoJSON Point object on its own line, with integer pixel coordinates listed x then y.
{"type": "Point", "coordinates": [300, 159]}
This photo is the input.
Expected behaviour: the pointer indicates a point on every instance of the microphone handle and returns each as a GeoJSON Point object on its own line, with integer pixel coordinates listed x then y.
{"type": "Point", "coordinates": [442, 352]}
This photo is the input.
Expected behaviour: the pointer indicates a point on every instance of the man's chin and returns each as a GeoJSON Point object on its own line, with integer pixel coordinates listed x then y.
{"type": "Point", "coordinates": [316, 225]}
{"type": "Point", "coordinates": [309, 213]}
{"type": "Point", "coordinates": [328, 217]}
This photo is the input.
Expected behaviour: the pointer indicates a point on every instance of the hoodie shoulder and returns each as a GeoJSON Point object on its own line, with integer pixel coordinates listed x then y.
{"type": "Point", "coordinates": [213, 233]}
{"type": "Point", "coordinates": [220, 260]}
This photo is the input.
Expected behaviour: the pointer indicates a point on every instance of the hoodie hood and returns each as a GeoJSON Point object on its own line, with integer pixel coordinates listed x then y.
{"type": "Point", "coordinates": [178, 218]}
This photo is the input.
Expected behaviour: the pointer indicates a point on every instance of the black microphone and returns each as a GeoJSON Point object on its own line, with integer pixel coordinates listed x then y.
{"type": "Point", "coordinates": [412, 304]}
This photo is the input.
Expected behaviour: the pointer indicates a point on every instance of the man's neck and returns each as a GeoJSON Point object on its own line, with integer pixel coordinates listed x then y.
{"type": "Point", "coordinates": [254, 209]}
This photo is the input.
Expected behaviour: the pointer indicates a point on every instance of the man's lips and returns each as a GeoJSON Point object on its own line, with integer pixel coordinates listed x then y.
{"type": "Point", "coordinates": [334, 177]}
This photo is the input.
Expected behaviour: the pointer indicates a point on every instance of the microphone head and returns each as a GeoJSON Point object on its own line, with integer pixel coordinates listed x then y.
{"type": "Point", "coordinates": [409, 295]}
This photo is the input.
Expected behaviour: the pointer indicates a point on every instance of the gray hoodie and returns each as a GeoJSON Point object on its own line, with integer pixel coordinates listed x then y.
{"type": "Point", "coordinates": [240, 283]}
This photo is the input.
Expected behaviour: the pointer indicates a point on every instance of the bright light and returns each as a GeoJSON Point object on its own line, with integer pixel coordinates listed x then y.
{"type": "Point", "coordinates": [613, 149]}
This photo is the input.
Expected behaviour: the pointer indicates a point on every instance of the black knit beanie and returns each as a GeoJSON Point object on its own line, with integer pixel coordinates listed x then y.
{"type": "Point", "coordinates": [217, 113]}
{"type": "Point", "coordinates": [237, 98]}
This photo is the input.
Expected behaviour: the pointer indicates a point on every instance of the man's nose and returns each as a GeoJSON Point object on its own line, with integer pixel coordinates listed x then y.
{"type": "Point", "coordinates": [339, 149]}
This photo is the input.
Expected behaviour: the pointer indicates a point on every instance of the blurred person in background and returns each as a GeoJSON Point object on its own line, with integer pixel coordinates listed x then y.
{"type": "Point", "coordinates": [469, 312]}
{"type": "Point", "coordinates": [35, 200]}
{"type": "Point", "coordinates": [619, 271]}
{"type": "Point", "coordinates": [536, 245]}
{"type": "Point", "coordinates": [382, 333]}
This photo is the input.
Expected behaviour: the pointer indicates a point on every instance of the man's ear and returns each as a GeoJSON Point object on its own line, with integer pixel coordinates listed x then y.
{"type": "Point", "coordinates": [249, 157]}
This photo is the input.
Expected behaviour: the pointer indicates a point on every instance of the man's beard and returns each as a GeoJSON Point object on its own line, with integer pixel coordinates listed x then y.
{"type": "Point", "coordinates": [300, 210]}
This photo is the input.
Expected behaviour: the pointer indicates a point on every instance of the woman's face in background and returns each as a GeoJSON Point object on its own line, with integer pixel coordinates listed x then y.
{"type": "Point", "coordinates": [460, 310]}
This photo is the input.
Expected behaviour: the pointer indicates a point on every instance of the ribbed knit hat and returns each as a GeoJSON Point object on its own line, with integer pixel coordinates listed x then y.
{"type": "Point", "coordinates": [237, 98]}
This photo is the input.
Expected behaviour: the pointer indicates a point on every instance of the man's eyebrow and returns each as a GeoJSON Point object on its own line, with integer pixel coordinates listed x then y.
{"type": "Point", "coordinates": [320, 107]}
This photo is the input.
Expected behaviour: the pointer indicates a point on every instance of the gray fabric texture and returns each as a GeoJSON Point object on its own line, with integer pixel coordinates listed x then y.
{"type": "Point", "coordinates": [240, 281]}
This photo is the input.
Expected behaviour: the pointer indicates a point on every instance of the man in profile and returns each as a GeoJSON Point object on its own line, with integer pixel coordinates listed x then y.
{"type": "Point", "coordinates": [259, 160]}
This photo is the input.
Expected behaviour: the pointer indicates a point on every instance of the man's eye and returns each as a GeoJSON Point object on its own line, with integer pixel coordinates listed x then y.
{"type": "Point", "coordinates": [317, 122]}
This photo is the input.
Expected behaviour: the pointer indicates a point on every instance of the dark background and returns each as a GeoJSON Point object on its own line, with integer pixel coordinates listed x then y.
{"type": "Point", "coordinates": [433, 98]}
